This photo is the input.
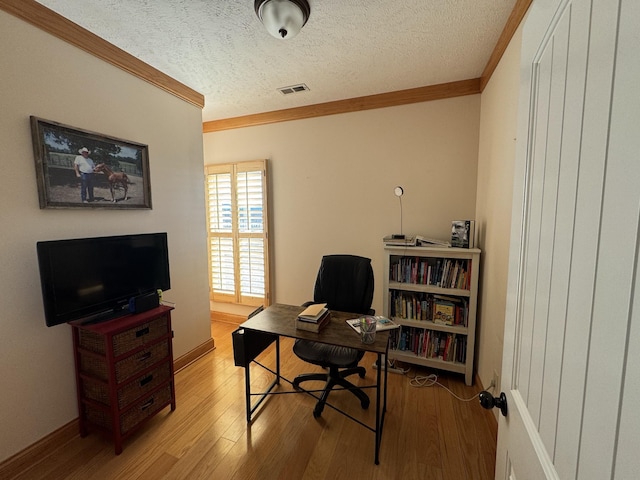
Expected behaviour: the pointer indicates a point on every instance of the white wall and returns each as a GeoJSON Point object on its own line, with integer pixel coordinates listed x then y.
{"type": "Point", "coordinates": [43, 76]}
{"type": "Point", "coordinates": [498, 122]}
{"type": "Point", "coordinates": [332, 182]}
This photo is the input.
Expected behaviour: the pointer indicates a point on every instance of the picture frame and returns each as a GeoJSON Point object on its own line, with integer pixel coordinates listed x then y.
{"type": "Point", "coordinates": [77, 168]}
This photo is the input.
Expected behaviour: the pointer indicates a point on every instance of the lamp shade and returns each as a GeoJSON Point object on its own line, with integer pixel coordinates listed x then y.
{"type": "Point", "coordinates": [283, 19]}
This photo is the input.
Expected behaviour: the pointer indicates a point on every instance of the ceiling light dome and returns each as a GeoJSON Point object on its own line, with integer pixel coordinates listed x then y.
{"type": "Point", "coordinates": [283, 18]}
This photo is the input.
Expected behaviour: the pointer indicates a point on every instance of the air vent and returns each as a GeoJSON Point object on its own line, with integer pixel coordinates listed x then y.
{"type": "Point", "coordinates": [293, 89]}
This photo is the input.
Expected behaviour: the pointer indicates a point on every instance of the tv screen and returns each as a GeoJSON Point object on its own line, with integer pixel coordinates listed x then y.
{"type": "Point", "coordinates": [94, 278]}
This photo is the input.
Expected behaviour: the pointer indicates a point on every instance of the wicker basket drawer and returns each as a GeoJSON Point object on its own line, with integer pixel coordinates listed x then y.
{"type": "Point", "coordinates": [125, 341]}
{"type": "Point", "coordinates": [99, 391]}
{"type": "Point", "coordinates": [143, 409]}
{"type": "Point", "coordinates": [127, 367]}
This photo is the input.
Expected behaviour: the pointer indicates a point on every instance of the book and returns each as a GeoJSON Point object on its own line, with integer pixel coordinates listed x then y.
{"type": "Point", "coordinates": [463, 233]}
{"type": "Point", "coordinates": [431, 242]}
{"type": "Point", "coordinates": [314, 326]}
{"type": "Point", "coordinates": [382, 323]}
{"type": "Point", "coordinates": [443, 312]}
{"type": "Point", "coordinates": [400, 241]}
{"type": "Point", "coordinates": [313, 313]}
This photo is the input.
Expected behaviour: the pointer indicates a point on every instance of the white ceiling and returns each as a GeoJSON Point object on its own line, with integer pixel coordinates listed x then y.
{"type": "Point", "coordinates": [347, 49]}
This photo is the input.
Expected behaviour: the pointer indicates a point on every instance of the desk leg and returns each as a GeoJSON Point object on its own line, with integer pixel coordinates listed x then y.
{"type": "Point", "coordinates": [247, 391]}
{"type": "Point", "coordinates": [378, 423]}
{"type": "Point", "coordinates": [278, 360]}
{"type": "Point", "coordinates": [386, 378]}
{"type": "Point", "coordinates": [247, 383]}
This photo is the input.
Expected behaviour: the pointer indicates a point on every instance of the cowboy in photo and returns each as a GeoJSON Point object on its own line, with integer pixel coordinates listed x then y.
{"type": "Point", "coordinates": [85, 168]}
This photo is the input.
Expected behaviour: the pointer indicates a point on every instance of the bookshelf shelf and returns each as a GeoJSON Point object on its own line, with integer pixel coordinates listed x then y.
{"type": "Point", "coordinates": [425, 285]}
{"type": "Point", "coordinates": [431, 325]}
{"type": "Point", "coordinates": [410, 287]}
{"type": "Point", "coordinates": [410, 357]}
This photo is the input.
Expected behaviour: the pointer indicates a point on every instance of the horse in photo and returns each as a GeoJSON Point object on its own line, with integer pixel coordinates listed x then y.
{"type": "Point", "coordinates": [115, 179]}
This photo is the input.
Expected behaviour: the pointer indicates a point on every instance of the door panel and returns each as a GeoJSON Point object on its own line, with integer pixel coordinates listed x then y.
{"type": "Point", "coordinates": [572, 270]}
{"type": "Point", "coordinates": [625, 145]}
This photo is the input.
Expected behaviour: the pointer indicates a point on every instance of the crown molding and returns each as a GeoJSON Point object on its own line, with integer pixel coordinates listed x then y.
{"type": "Point", "coordinates": [49, 21]}
{"type": "Point", "coordinates": [382, 100]}
{"type": "Point", "coordinates": [55, 24]}
{"type": "Point", "coordinates": [402, 97]}
{"type": "Point", "coordinates": [513, 22]}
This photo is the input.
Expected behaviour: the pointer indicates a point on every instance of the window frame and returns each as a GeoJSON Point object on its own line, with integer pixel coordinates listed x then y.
{"type": "Point", "coordinates": [234, 170]}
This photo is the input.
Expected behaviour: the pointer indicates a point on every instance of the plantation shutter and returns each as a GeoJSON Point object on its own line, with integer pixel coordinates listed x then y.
{"type": "Point", "coordinates": [237, 219]}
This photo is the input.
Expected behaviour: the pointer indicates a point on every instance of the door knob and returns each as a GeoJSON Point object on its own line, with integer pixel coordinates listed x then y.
{"type": "Point", "coordinates": [488, 401]}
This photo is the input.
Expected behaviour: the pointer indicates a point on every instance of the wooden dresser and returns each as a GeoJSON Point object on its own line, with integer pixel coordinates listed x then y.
{"type": "Point", "coordinates": [124, 372]}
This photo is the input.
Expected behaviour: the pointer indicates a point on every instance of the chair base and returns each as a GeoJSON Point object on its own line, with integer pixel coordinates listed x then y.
{"type": "Point", "coordinates": [332, 378]}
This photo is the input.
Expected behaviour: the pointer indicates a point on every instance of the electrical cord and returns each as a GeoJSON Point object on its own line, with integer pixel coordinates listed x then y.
{"type": "Point", "coordinates": [392, 364]}
{"type": "Point", "coordinates": [431, 380]}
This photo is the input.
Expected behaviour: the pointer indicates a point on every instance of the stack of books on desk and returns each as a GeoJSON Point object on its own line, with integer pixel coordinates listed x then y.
{"type": "Point", "coordinates": [313, 318]}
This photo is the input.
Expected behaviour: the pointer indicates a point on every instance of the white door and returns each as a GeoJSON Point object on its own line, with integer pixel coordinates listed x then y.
{"type": "Point", "coordinates": [571, 364]}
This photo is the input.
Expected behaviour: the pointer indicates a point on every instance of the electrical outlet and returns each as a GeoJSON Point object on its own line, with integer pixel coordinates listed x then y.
{"type": "Point", "coordinates": [496, 380]}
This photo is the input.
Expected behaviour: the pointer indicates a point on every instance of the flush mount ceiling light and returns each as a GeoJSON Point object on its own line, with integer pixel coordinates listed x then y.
{"type": "Point", "coordinates": [283, 18]}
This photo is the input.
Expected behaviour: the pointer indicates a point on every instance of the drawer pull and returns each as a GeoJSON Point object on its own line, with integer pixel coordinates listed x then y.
{"type": "Point", "coordinates": [146, 380]}
{"type": "Point", "coordinates": [147, 404]}
{"type": "Point", "coordinates": [145, 356]}
{"type": "Point", "coordinates": [142, 331]}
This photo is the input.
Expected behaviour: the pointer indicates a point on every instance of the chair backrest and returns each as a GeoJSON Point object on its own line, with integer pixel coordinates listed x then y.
{"type": "Point", "coordinates": [345, 283]}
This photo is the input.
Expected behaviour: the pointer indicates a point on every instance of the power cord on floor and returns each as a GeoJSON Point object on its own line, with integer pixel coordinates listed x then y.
{"type": "Point", "coordinates": [432, 379]}
{"type": "Point", "coordinates": [428, 381]}
{"type": "Point", "coordinates": [402, 371]}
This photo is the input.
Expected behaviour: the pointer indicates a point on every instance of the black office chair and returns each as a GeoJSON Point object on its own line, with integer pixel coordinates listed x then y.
{"type": "Point", "coordinates": [344, 283]}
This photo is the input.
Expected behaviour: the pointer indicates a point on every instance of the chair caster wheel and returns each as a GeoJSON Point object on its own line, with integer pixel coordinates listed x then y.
{"type": "Point", "coordinates": [362, 374]}
{"type": "Point", "coordinates": [365, 404]}
{"type": "Point", "coordinates": [317, 412]}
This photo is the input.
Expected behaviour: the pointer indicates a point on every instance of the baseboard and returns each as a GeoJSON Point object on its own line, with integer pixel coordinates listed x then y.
{"type": "Point", "coordinates": [25, 459]}
{"type": "Point", "coordinates": [228, 318]}
{"type": "Point", "coordinates": [22, 461]}
{"type": "Point", "coordinates": [190, 357]}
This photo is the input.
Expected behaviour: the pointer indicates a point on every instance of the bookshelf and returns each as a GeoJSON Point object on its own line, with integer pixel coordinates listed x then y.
{"type": "Point", "coordinates": [432, 293]}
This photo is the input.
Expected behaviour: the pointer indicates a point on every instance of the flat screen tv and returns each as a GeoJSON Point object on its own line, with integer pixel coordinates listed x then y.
{"type": "Point", "coordinates": [93, 279]}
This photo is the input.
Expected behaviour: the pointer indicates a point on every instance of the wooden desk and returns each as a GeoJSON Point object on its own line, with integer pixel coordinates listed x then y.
{"type": "Point", "coordinates": [279, 320]}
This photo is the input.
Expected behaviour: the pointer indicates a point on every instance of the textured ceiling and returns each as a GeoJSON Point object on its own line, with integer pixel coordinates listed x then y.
{"type": "Point", "coordinates": [347, 49]}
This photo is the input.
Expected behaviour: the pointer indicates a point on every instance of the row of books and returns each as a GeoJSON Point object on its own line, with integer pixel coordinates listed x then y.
{"type": "Point", "coordinates": [440, 272]}
{"type": "Point", "coordinates": [441, 309]}
{"type": "Point", "coordinates": [424, 343]}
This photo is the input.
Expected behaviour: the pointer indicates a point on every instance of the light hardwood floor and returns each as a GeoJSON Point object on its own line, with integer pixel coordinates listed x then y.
{"type": "Point", "coordinates": [428, 434]}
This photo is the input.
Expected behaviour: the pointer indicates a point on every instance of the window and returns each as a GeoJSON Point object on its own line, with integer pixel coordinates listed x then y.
{"type": "Point", "coordinates": [237, 223]}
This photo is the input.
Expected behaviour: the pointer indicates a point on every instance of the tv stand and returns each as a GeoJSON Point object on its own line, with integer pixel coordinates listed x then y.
{"type": "Point", "coordinates": [124, 372]}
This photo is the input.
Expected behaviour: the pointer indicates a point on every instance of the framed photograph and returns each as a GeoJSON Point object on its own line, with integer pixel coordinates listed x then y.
{"type": "Point", "coordinates": [80, 169]}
